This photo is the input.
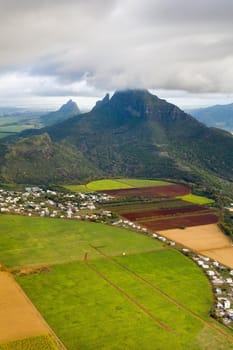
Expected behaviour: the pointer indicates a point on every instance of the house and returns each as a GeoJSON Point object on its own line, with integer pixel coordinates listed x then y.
{"type": "Point", "coordinates": [218, 291]}
{"type": "Point", "coordinates": [228, 280]}
{"type": "Point", "coordinates": [210, 273]}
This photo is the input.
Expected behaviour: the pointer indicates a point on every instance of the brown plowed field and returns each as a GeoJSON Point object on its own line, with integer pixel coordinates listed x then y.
{"type": "Point", "coordinates": [208, 240]}
{"type": "Point", "coordinates": [18, 317]}
{"type": "Point", "coordinates": [223, 255]}
{"type": "Point", "coordinates": [180, 221]}
{"type": "Point", "coordinates": [163, 212]}
{"type": "Point", "coordinates": [150, 192]}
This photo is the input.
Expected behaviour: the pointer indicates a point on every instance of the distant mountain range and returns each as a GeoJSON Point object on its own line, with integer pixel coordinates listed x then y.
{"type": "Point", "coordinates": [133, 134]}
{"type": "Point", "coordinates": [219, 116]}
{"type": "Point", "coordinates": [14, 120]}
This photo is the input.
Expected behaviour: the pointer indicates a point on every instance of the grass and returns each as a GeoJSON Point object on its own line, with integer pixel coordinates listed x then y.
{"type": "Point", "coordinates": [110, 303]}
{"type": "Point", "coordinates": [87, 312]}
{"type": "Point", "coordinates": [114, 184]}
{"type": "Point", "coordinates": [196, 199]}
{"type": "Point", "coordinates": [26, 241]}
{"type": "Point", "coordinates": [77, 188]}
{"type": "Point", "coordinates": [43, 342]}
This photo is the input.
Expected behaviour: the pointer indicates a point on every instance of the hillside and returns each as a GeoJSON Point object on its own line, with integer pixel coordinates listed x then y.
{"type": "Point", "coordinates": [219, 116]}
{"type": "Point", "coordinates": [132, 134]}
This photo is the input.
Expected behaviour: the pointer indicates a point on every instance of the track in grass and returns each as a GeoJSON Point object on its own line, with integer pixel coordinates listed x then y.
{"type": "Point", "coordinates": [129, 298]}
{"type": "Point", "coordinates": [85, 310]}
{"type": "Point", "coordinates": [161, 292]}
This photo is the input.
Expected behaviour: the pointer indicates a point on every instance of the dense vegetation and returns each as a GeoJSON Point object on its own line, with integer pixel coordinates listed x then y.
{"type": "Point", "coordinates": [132, 134]}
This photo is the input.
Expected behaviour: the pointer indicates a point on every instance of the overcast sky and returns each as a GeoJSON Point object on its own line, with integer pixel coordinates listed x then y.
{"type": "Point", "coordinates": [52, 50]}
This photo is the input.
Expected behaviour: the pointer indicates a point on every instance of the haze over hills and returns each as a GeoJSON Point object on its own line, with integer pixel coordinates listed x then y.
{"type": "Point", "coordinates": [219, 116]}
{"type": "Point", "coordinates": [66, 111]}
{"type": "Point", "coordinates": [14, 120]}
{"type": "Point", "coordinates": [133, 134]}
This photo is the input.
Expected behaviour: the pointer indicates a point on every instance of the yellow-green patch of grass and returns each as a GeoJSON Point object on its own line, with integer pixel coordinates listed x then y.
{"type": "Point", "coordinates": [192, 198]}
{"type": "Point", "coordinates": [106, 184]}
{"type": "Point", "coordinates": [43, 342]}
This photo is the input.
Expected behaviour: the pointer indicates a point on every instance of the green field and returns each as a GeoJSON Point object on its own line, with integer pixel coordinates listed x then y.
{"type": "Point", "coordinates": [44, 342]}
{"type": "Point", "coordinates": [26, 241]}
{"type": "Point", "coordinates": [150, 297]}
{"type": "Point", "coordinates": [192, 198]}
{"type": "Point", "coordinates": [114, 184]}
{"type": "Point", "coordinates": [112, 308]}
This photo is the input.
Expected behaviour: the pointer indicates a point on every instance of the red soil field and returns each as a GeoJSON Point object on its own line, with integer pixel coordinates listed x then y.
{"type": "Point", "coordinates": [150, 192]}
{"type": "Point", "coordinates": [163, 212]}
{"type": "Point", "coordinates": [177, 222]}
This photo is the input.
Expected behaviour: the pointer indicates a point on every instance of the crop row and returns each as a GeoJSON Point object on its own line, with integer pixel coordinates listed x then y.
{"type": "Point", "coordinates": [163, 212]}
{"type": "Point", "coordinates": [151, 192]}
{"type": "Point", "coordinates": [180, 222]}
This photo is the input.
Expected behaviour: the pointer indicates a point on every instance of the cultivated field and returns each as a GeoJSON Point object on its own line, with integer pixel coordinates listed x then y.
{"type": "Point", "coordinates": [180, 221]}
{"type": "Point", "coordinates": [111, 184]}
{"type": "Point", "coordinates": [164, 207]}
{"type": "Point", "coordinates": [27, 241]}
{"type": "Point", "coordinates": [196, 199]}
{"type": "Point", "coordinates": [199, 238]}
{"type": "Point", "coordinates": [150, 192]}
{"type": "Point", "coordinates": [136, 216]}
{"type": "Point", "coordinates": [124, 207]}
{"type": "Point", "coordinates": [208, 240]}
{"type": "Point", "coordinates": [151, 294]}
{"type": "Point", "coordinates": [18, 317]}
{"type": "Point", "coordinates": [130, 302]}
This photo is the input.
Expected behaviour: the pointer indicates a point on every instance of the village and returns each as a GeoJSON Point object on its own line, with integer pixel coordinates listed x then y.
{"type": "Point", "coordinates": [35, 201]}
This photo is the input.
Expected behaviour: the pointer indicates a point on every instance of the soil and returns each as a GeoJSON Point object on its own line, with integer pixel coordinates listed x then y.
{"type": "Point", "coordinates": [150, 192]}
{"type": "Point", "coordinates": [18, 317]}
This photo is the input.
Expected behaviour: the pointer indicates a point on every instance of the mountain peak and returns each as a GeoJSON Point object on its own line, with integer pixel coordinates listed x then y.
{"type": "Point", "coordinates": [70, 106]}
{"type": "Point", "coordinates": [68, 110]}
{"type": "Point", "coordinates": [102, 102]}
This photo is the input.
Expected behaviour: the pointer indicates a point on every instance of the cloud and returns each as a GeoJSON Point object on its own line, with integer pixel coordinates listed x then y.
{"type": "Point", "coordinates": [88, 46]}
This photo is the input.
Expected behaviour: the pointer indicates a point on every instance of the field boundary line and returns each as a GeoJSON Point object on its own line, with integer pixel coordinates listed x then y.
{"type": "Point", "coordinates": [132, 300]}
{"type": "Point", "coordinates": [56, 339]}
{"type": "Point", "coordinates": [167, 296]}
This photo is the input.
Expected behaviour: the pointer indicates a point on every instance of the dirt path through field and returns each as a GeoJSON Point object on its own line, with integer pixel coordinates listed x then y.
{"type": "Point", "coordinates": [18, 317]}
{"type": "Point", "coordinates": [206, 239]}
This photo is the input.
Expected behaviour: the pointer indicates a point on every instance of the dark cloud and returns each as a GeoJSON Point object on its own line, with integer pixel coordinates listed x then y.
{"type": "Point", "coordinates": [88, 46]}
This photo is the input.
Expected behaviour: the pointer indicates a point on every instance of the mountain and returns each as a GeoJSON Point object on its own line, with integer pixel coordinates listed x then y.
{"type": "Point", "coordinates": [219, 116]}
{"type": "Point", "coordinates": [68, 110]}
{"type": "Point", "coordinates": [132, 134]}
